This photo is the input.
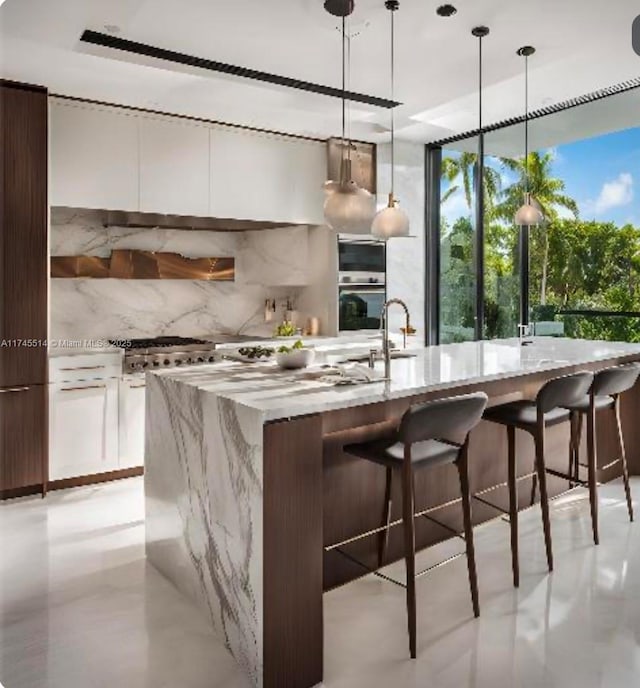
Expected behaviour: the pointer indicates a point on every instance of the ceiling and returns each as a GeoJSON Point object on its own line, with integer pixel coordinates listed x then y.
{"type": "Point", "coordinates": [611, 114]}
{"type": "Point", "coordinates": [581, 48]}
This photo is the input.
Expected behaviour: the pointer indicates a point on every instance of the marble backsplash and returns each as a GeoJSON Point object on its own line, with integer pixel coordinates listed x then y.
{"type": "Point", "coordinates": [406, 257]}
{"type": "Point", "coordinates": [94, 309]}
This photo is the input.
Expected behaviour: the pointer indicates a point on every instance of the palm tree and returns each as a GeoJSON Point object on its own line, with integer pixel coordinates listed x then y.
{"type": "Point", "coordinates": [463, 169]}
{"type": "Point", "coordinates": [534, 176]}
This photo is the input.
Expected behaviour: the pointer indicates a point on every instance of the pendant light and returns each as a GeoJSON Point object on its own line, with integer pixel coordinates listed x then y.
{"type": "Point", "coordinates": [347, 208]}
{"type": "Point", "coordinates": [529, 213]}
{"type": "Point", "coordinates": [391, 221]}
{"type": "Point", "coordinates": [479, 32]}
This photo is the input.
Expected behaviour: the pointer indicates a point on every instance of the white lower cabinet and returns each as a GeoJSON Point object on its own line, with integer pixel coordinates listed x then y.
{"type": "Point", "coordinates": [83, 428]}
{"type": "Point", "coordinates": [131, 430]}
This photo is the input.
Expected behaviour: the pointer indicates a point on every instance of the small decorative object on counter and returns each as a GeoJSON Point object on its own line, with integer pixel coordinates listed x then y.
{"type": "Point", "coordinates": [296, 356]}
{"type": "Point", "coordinates": [269, 309]}
{"type": "Point", "coordinates": [286, 329]}
{"type": "Point", "coordinates": [313, 327]}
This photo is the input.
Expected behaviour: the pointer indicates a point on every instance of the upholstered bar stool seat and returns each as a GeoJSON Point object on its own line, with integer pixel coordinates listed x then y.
{"type": "Point", "coordinates": [432, 434]}
{"type": "Point", "coordinates": [524, 415]}
{"type": "Point", "coordinates": [431, 453]}
{"type": "Point", "coordinates": [600, 402]}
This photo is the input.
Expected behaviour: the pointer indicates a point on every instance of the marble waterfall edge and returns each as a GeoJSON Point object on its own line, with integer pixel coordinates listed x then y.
{"type": "Point", "coordinates": [203, 495]}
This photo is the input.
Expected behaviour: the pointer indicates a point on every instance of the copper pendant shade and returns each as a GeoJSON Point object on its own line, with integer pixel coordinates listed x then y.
{"type": "Point", "coordinates": [348, 208]}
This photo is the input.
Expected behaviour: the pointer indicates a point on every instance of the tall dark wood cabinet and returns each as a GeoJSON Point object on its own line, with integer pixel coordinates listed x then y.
{"type": "Point", "coordinates": [23, 288]}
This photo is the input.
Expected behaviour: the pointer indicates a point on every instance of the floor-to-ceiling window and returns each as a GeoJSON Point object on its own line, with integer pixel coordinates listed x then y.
{"type": "Point", "coordinates": [457, 258]}
{"type": "Point", "coordinates": [502, 179]}
{"type": "Point", "coordinates": [585, 258]}
{"type": "Point", "coordinates": [578, 273]}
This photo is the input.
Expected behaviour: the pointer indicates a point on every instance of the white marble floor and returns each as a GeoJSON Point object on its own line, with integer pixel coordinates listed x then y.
{"type": "Point", "coordinates": [80, 608]}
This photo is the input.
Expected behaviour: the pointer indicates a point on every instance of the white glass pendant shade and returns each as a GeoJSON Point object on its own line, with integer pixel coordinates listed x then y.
{"type": "Point", "coordinates": [347, 207]}
{"type": "Point", "coordinates": [350, 209]}
{"type": "Point", "coordinates": [390, 222]}
{"type": "Point", "coordinates": [529, 214]}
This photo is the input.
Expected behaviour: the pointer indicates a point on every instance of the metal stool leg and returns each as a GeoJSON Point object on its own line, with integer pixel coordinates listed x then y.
{"type": "Point", "coordinates": [463, 471]}
{"type": "Point", "coordinates": [409, 546]}
{"type": "Point", "coordinates": [591, 461]}
{"type": "Point", "coordinates": [544, 497]}
{"type": "Point", "coordinates": [384, 535]}
{"type": "Point", "coordinates": [513, 503]}
{"type": "Point", "coordinates": [623, 456]}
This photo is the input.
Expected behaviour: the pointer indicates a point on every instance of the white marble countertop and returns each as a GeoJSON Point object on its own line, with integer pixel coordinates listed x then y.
{"type": "Point", "coordinates": [283, 394]}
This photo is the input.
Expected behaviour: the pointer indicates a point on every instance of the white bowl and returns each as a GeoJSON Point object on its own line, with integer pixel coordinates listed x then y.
{"type": "Point", "coordinates": [298, 358]}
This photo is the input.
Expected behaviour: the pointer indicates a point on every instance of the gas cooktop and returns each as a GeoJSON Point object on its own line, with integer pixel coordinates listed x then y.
{"type": "Point", "coordinates": [171, 351]}
{"type": "Point", "coordinates": [162, 342]}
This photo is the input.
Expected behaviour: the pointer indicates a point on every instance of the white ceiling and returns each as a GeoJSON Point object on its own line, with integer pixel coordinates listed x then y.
{"type": "Point", "coordinates": [583, 45]}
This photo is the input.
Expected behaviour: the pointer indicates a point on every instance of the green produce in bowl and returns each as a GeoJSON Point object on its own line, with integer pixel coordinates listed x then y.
{"type": "Point", "coordinates": [294, 347]}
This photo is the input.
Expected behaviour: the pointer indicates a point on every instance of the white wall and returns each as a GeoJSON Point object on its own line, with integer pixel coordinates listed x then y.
{"type": "Point", "coordinates": [406, 257]}
{"type": "Point", "coordinates": [98, 308]}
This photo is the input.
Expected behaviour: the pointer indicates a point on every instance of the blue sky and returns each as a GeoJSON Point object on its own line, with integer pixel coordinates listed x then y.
{"type": "Point", "coordinates": [602, 174]}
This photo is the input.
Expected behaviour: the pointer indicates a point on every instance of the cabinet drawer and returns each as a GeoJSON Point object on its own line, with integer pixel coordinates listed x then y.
{"type": "Point", "coordinates": [23, 436]}
{"type": "Point", "coordinates": [83, 428]}
{"type": "Point", "coordinates": [132, 421]}
{"type": "Point", "coordinates": [85, 367]}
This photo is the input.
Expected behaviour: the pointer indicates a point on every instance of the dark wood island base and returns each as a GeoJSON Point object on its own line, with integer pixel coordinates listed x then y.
{"type": "Point", "coordinates": [317, 496]}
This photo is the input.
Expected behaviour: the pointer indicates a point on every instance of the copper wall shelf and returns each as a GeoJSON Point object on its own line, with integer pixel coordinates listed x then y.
{"type": "Point", "coordinates": [133, 264]}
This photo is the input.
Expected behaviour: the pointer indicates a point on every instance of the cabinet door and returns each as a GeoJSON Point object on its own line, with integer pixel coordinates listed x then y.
{"type": "Point", "coordinates": [23, 236]}
{"type": "Point", "coordinates": [23, 436]}
{"type": "Point", "coordinates": [132, 405]}
{"type": "Point", "coordinates": [94, 157]}
{"type": "Point", "coordinates": [83, 427]}
{"type": "Point", "coordinates": [174, 167]}
{"type": "Point", "coordinates": [257, 176]}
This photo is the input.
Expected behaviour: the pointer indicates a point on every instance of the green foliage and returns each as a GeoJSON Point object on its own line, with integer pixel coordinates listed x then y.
{"type": "Point", "coordinates": [574, 264]}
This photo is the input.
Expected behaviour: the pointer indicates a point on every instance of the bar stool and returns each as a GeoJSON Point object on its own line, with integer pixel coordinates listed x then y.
{"type": "Point", "coordinates": [604, 394]}
{"type": "Point", "coordinates": [548, 409]}
{"type": "Point", "coordinates": [432, 434]}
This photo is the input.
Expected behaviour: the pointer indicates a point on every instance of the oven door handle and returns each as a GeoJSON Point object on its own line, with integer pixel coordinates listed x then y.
{"type": "Point", "coordinates": [361, 290]}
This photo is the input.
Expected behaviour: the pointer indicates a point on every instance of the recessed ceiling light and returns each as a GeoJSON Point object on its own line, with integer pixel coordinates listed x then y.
{"type": "Point", "coordinates": [112, 28]}
{"type": "Point", "coordinates": [446, 11]}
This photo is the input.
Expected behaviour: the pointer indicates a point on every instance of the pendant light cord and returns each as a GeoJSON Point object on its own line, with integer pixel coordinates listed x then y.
{"type": "Point", "coordinates": [344, 85]}
{"type": "Point", "coordinates": [480, 85]}
{"type": "Point", "coordinates": [348, 39]}
{"type": "Point", "coordinates": [526, 124]}
{"type": "Point", "coordinates": [393, 119]}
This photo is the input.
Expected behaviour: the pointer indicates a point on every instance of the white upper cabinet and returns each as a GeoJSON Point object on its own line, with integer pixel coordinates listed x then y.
{"type": "Point", "coordinates": [174, 167]}
{"type": "Point", "coordinates": [259, 176]}
{"type": "Point", "coordinates": [110, 158]}
{"type": "Point", "coordinates": [94, 156]}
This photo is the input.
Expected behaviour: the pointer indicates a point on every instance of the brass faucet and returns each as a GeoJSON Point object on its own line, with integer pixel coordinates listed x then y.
{"type": "Point", "coordinates": [386, 349]}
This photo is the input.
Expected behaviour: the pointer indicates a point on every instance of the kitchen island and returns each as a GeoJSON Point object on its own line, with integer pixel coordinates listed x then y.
{"type": "Point", "coordinates": [248, 490]}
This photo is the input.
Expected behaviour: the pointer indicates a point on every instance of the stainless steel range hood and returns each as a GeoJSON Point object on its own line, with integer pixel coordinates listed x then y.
{"type": "Point", "coordinates": [124, 218]}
